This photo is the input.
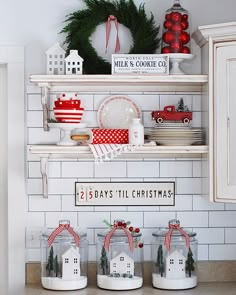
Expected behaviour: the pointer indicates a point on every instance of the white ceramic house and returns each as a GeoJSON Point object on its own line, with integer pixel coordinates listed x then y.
{"type": "Point", "coordinates": [74, 63]}
{"type": "Point", "coordinates": [175, 265]}
{"type": "Point", "coordinates": [55, 60]}
{"type": "Point", "coordinates": [122, 264]}
{"type": "Point", "coordinates": [71, 264]}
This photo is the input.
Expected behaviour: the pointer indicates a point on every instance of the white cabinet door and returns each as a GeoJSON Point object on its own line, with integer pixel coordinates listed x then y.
{"type": "Point", "coordinates": [224, 121]}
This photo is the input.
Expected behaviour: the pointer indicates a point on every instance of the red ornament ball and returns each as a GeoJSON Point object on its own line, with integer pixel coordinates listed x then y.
{"type": "Point", "coordinates": [176, 46]}
{"type": "Point", "coordinates": [176, 28]}
{"type": "Point", "coordinates": [184, 37]}
{"type": "Point", "coordinates": [119, 223]}
{"type": "Point", "coordinates": [167, 16]}
{"type": "Point", "coordinates": [184, 24]}
{"type": "Point", "coordinates": [176, 17]}
{"type": "Point", "coordinates": [185, 16]}
{"type": "Point", "coordinates": [168, 37]}
{"type": "Point", "coordinates": [166, 49]}
{"type": "Point", "coordinates": [185, 50]}
{"type": "Point", "coordinates": [140, 245]}
{"type": "Point", "coordinates": [131, 228]}
{"type": "Point", "coordinates": [137, 230]}
{"type": "Point", "coordinates": [124, 224]}
{"type": "Point", "coordinates": [167, 24]}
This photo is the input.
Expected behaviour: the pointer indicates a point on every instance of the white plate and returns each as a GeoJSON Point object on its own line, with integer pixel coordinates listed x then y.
{"type": "Point", "coordinates": [116, 112]}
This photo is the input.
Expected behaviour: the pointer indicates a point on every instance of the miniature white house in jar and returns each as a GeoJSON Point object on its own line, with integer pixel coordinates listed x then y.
{"type": "Point", "coordinates": [64, 258]}
{"type": "Point", "coordinates": [120, 257]}
{"type": "Point", "coordinates": [174, 257]}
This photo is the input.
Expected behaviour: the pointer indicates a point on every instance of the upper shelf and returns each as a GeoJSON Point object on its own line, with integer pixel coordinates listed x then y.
{"type": "Point", "coordinates": [88, 83]}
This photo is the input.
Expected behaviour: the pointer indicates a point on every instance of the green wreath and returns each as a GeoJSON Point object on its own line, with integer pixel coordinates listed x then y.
{"type": "Point", "coordinates": [81, 25]}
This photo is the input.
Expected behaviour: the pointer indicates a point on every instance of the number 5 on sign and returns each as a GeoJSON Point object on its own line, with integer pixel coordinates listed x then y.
{"type": "Point", "coordinates": [89, 194]}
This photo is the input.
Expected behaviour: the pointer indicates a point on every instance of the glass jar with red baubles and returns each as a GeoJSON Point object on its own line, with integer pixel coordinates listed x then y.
{"type": "Point", "coordinates": [176, 36]}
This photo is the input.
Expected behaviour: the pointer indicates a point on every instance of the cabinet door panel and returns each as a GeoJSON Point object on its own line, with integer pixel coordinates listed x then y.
{"type": "Point", "coordinates": [225, 122]}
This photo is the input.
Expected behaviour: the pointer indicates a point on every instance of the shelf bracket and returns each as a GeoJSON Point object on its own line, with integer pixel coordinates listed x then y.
{"type": "Point", "coordinates": [44, 172]}
{"type": "Point", "coordinates": [44, 100]}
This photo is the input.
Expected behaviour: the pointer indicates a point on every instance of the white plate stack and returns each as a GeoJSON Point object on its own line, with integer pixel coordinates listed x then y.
{"type": "Point", "coordinates": [175, 134]}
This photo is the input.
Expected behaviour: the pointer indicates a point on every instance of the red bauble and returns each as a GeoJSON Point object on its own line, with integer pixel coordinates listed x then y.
{"type": "Point", "coordinates": [137, 230]}
{"type": "Point", "coordinates": [166, 49]}
{"type": "Point", "coordinates": [184, 16]}
{"type": "Point", "coordinates": [185, 50]}
{"type": "Point", "coordinates": [176, 46]}
{"type": "Point", "coordinates": [167, 16]}
{"type": "Point", "coordinates": [184, 37]}
{"type": "Point", "coordinates": [131, 228]}
{"type": "Point", "coordinates": [168, 37]}
{"type": "Point", "coordinates": [140, 245]}
{"type": "Point", "coordinates": [167, 24]}
{"type": "Point", "coordinates": [176, 17]}
{"type": "Point", "coordinates": [177, 28]}
{"type": "Point", "coordinates": [119, 223]}
{"type": "Point", "coordinates": [184, 24]}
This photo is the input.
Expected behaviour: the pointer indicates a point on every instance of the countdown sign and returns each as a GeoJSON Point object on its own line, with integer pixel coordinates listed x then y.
{"type": "Point", "coordinates": [140, 64]}
{"type": "Point", "coordinates": [125, 193]}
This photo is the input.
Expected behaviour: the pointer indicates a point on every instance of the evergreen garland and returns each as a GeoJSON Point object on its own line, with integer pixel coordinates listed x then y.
{"type": "Point", "coordinates": [82, 24]}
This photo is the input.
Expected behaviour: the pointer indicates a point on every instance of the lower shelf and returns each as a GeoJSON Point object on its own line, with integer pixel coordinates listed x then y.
{"type": "Point", "coordinates": [143, 152]}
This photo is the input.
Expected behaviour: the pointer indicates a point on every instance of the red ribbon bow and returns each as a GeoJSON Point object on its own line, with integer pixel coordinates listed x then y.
{"type": "Point", "coordinates": [169, 234]}
{"type": "Point", "coordinates": [108, 30]}
{"type": "Point", "coordinates": [110, 234]}
{"type": "Point", "coordinates": [59, 229]}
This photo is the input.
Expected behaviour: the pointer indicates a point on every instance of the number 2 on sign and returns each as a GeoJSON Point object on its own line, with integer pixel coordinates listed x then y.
{"type": "Point", "coordinates": [82, 194]}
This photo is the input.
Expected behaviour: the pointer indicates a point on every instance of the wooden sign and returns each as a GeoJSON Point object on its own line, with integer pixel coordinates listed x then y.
{"type": "Point", "coordinates": [140, 64]}
{"type": "Point", "coordinates": [125, 193]}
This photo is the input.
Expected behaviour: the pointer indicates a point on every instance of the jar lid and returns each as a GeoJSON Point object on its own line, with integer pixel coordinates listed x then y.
{"type": "Point", "coordinates": [65, 234]}
{"type": "Point", "coordinates": [175, 233]}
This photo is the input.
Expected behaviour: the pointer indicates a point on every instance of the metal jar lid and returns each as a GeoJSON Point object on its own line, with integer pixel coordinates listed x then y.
{"type": "Point", "coordinates": [162, 233]}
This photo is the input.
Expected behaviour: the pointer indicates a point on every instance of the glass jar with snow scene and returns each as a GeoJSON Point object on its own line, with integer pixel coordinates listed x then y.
{"type": "Point", "coordinates": [174, 257]}
{"type": "Point", "coordinates": [120, 257]}
{"type": "Point", "coordinates": [64, 258]}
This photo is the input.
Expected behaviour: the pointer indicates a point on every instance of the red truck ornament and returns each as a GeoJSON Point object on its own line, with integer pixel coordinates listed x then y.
{"type": "Point", "coordinates": [171, 114]}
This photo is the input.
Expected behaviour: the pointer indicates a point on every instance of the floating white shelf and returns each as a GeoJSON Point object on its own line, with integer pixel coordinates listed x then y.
{"type": "Point", "coordinates": [144, 152]}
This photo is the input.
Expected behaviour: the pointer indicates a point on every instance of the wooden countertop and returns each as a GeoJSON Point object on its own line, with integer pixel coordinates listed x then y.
{"type": "Point", "coordinates": [226, 288]}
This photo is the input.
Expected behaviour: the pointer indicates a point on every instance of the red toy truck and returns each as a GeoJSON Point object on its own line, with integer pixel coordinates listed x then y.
{"type": "Point", "coordinates": [171, 114]}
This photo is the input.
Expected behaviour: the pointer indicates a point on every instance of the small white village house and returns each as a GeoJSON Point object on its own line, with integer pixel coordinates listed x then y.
{"type": "Point", "coordinates": [175, 265]}
{"type": "Point", "coordinates": [55, 60]}
{"type": "Point", "coordinates": [122, 264]}
{"type": "Point", "coordinates": [71, 264]}
{"type": "Point", "coordinates": [74, 63]}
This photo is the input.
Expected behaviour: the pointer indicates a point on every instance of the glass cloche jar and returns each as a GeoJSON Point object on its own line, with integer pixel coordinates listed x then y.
{"type": "Point", "coordinates": [64, 258]}
{"type": "Point", "coordinates": [176, 33]}
{"type": "Point", "coordinates": [174, 257]}
{"type": "Point", "coordinates": [120, 257]}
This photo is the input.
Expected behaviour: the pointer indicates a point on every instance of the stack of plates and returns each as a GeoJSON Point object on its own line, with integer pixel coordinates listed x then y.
{"type": "Point", "coordinates": [175, 135]}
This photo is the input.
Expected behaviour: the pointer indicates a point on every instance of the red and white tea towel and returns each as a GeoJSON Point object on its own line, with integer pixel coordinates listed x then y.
{"type": "Point", "coordinates": [103, 152]}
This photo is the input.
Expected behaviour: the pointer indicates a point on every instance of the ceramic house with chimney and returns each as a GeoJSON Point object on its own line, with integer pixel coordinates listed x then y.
{"type": "Point", "coordinates": [55, 60]}
{"type": "Point", "coordinates": [74, 63]}
{"type": "Point", "coordinates": [122, 264]}
{"type": "Point", "coordinates": [71, 264]}
{"type": "Point", "coordinates": [175, 265]}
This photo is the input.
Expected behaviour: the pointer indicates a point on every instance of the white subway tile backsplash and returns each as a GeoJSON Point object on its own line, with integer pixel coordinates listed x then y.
{"type": "Point", "coordinates": [86, 101]}
{"type": "Point", "coordinates": [197, 169]}
{"type": "Point", "coordinates": [143, 208]}
{"type": "Point", "coordinates": [203, 252]}
{"type": "Point", "coordinates": [110, 208]}
{"type": "Point", "coordinates": [147, 252]}
{"type": "Point", "coordinates": [196, 103]}
{"type": "Point", "coordinates": [90, 118]}
{"type": "Point", "coordinates": [173, 100]}
{"type": "Point", "coordinates": [176, 169]}
{"type": "Point", "coordinates": [61, 186]}
{"type": "Point", "coordinates": [143, 169]}
{"type": "Point", "coordinates": [222, 219]}
{"type": "Point", "coordinates": [147, 102]}
{"type": "Point", "coordinates": [34, 186]}
{"type": "Point", "coordinates": [35, 219]}
{"type": "Point", "coordinates": [34, 102]}
{"type": "Point", "coordinates": [38, 203]}
{"type": "Point", "coordinates": [222, 252]}
{"type": "Point", "coordinates": [77, 169]}
{"type": "Point", "coordinates": [53, 218]}
{"type": "Point", "coordinates": [35, 119]}
{"type": "Point", "coordinates": [68, 204]}
{"type": "Point", "coordinates": [210, 235]}
{"type": "Point", "coordinates": [33, 255]}
{"type": "Point", "coordinates": [93, 220]}
{"type": "Point", "coordinates": [202, 203]}
{"type": "Point", "coordinates": [110, 169]}
{"type": "Point", "coordinates": [39, 136]}
{"type": "Point", "coordinates": [230, 206]}
{"type": "Point", "coordinates": [193, 219]}
{"type": "Point", "coordinates": [188, 186]}
{"type": "Point", "coordinates": [92, 253]}
{"type": "Point", "coordinates": [158, 219]}
{"type": "Point", "coordinates": [98, 99]}
{"type": "Point", "coordinates": [230, 235]}
{"type": "Point", "coordinates": [182, 203]}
